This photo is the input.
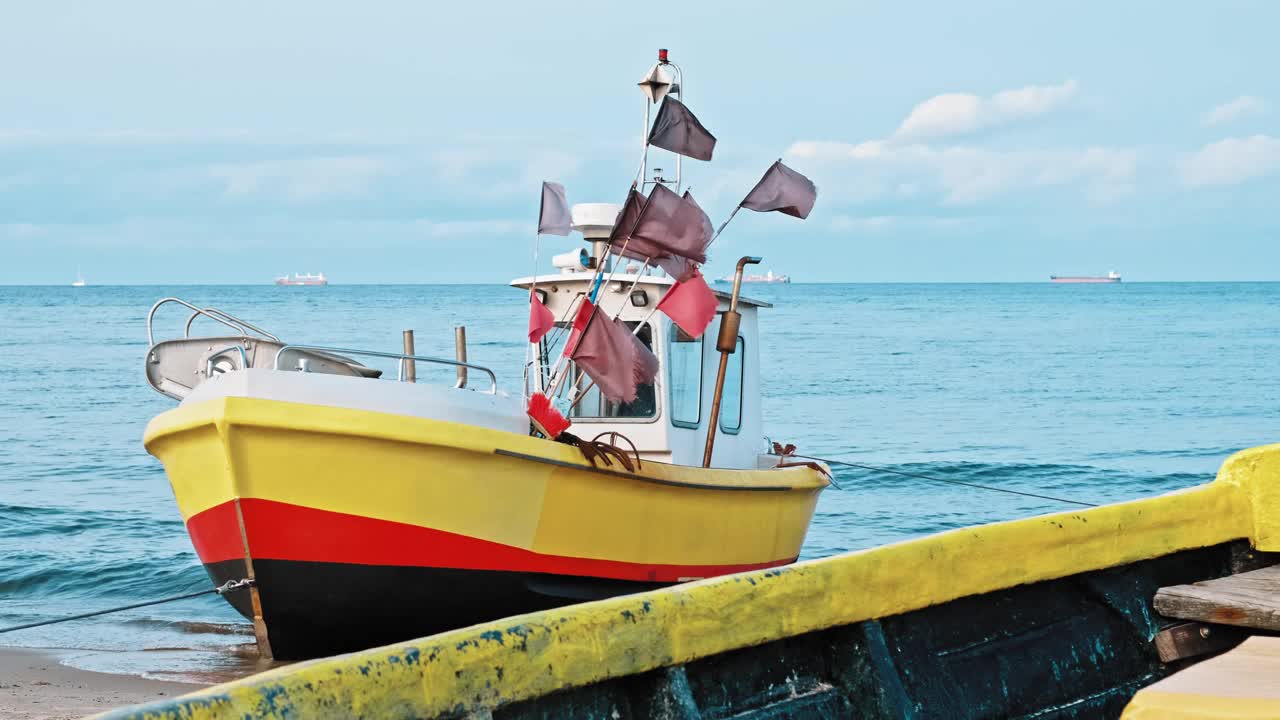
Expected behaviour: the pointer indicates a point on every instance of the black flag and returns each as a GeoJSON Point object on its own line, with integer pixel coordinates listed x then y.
{"type": "Point", "coordinates": [677, 130]}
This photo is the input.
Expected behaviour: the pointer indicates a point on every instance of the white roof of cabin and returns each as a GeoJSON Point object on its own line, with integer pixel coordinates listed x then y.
{"type": "Point", "coordinates": [627, 279]}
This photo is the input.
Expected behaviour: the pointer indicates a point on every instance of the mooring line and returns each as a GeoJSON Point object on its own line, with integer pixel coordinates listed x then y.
{"type": "Point", "coordinates": [222, 589]}
{"type": "Point", "coordinates": [873, 468]}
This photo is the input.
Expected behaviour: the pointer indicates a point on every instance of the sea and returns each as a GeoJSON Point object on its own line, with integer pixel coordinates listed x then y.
{"type": "Point", "coordinates": [1091, 393]}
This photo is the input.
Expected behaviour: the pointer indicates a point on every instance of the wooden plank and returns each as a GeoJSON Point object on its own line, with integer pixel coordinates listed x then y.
{"type": "Point", "coordinates": [1250, 599]}
{"type": "Point", "coordinates": [1187, 640]}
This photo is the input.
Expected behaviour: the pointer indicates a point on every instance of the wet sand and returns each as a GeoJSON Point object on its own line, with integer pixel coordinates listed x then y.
{"type": "Point", "coordinates": [33, 684]}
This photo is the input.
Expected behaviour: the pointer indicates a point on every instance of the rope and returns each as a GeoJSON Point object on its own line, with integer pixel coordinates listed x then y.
{"type": "Point", "coordinates": [222, 589]}
{"type": "Point", "coordinates": [873, 468]}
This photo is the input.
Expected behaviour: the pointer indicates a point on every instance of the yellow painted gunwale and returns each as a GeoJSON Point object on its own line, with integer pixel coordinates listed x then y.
{"type": "Point", "coordinates": [452, 478]}
{"type": "Point", "coordinates": [489, 665]}
{"type": "Point", "coordinates": [1156, 705]}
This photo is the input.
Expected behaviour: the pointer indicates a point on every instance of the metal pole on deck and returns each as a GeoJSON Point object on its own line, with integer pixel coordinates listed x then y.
{"type": "Point", "coordinates": [726, 343]}
{"type": "Point", "coordinates": [460, 353]}
{"type": "Point", "coordinates": [410, 369]}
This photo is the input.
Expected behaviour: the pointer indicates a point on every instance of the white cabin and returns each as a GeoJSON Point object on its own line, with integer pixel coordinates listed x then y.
{"type": "Point", "coordinates": [668, 421]}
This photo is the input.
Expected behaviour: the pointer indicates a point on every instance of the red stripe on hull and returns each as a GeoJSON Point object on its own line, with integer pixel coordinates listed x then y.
{"type": "Point", "coordinates": [282, 531]}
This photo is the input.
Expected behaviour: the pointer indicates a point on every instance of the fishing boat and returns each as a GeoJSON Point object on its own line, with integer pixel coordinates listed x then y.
{"type": "Point", "coordinates": [303, 279]}
{"type": "Point", "coordinates": [364, 511]}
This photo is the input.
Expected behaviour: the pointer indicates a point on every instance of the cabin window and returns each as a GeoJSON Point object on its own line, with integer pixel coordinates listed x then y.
{"type": "Point", "coordinates": [684, 371]}
{"type": "Point", "coordinates": [595, 405]}
{"type": "Point", "coordinates": [731, 400]}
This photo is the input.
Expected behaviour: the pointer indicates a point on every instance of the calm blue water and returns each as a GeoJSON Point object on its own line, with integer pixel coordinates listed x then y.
{"type": "Point", "coordinates": [1098, 393]}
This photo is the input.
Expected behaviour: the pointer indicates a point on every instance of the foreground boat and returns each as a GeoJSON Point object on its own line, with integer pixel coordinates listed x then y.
{"type": "Point", "coordinates": [1046, 617]}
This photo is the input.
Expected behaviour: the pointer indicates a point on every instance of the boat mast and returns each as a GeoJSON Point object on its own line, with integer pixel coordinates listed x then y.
{"type": "Point", "coordinates": [663, 78]}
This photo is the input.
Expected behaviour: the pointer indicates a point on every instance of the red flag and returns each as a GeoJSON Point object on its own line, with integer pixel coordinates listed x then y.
{"type": "Point", "coordinates": [690, 303]}
{"type": "Point", "coordinates": [541, 319]}
{"type": "Point", "coordinates": [580, 321]}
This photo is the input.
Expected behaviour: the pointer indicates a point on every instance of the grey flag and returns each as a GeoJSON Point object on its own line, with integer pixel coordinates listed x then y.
{"type": "Point", "coordinates": [626, 218]}
{"type": "Point", "coordinates": [784, 190]}
{"type": "Point", "coordinates": [677, 130]}
{"type": "Point", "coordinates": [673, 225]}
{"type": "Point", "coordinates": [553, 218]}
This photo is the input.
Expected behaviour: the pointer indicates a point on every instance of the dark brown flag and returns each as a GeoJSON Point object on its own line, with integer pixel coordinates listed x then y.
{"type": "Point", "coordinates": [677, 130]}
{"type": "Point", "coordinates": [784, 190]}
{"type": "Point", "coordinates": [673, 224]}
{"type": "Point", "coordinates": [614, 358]}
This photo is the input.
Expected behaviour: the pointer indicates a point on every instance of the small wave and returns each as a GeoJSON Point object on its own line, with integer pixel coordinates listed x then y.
{"type": "Point", "coordinates": [193, 627]}
{"type": "Point", "coordinates": [1092, 484]}
{"type": "Point", "coordinates": [1218, 452]}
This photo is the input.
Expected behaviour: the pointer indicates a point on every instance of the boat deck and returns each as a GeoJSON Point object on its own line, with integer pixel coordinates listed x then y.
{"type": "Point", "coordinates": [1241, 683]}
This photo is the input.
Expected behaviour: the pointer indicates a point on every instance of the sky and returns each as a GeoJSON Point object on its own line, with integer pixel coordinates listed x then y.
{"type": "Point", "coordinates": [404, 142]}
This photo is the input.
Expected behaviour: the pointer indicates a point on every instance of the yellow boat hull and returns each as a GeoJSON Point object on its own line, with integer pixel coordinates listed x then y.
{"type": "Point", "coordinates": [362, 528]}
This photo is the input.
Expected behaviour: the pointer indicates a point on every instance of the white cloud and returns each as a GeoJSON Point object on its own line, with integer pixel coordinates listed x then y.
{"type": "Point", "coordinates": [960, 175]}
{"type": "Point", "coordinates": [954, 114]}
{"type": "Point", "coordinates": [301, 178]}
{"type": "Point", "coordinates": [1242, 106]}
{"type": "Point", "coordinates": [469, 228]}
{"type": "Point", "coordinates": [1232, 161]}
{"type": "Point", "coordinates": [881, 223]}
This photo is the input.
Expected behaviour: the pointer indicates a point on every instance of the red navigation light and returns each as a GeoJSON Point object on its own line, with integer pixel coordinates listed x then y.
{"type": "Point", "coordinates": [662, 55]}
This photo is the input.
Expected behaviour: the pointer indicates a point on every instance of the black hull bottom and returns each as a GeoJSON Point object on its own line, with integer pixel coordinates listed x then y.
{"type": "Point", "coordinates": [314, 609]}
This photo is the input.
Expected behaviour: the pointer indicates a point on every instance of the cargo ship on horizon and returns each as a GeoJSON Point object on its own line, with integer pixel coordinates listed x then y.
{"type": "Point", "coordinates": [767, 278]}
{"type": "Point", "coordinates": [303, 279]}
{"type": "Point", "coordinates": [1111, 277]}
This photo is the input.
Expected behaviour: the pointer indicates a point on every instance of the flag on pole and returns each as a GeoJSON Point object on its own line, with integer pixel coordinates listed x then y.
{"type": "Point", "coordinates": [676, 129]}
{"type": "Point", "coordinates": [608, 353]}
{"type": "Point", "coordinates": [784, 190]}
{"type": "Point", "coordinates": [624, 242]}
{"type": "Point", "coordinates": [541, 319]}
{"type": "Point", "coordinates": [646, 363]}
{"type": "Point", "coordinates": [580, 320]}
{"type": "Point", "coordinates": [627, 217]}
{"type": "Point", "coordinates": [553, 217]}
{"type": "Point", "coordinates": [672, 224]}
{"type": "Point", "coordinates": [690, 303]}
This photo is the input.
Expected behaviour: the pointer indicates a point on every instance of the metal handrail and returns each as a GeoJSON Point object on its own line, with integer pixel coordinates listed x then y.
{"type": "Point", "coordinates": [230, 321]}
{"type": "Point", "coordinates": [244, 325]}
{"type": "Point", "coordinates": [400, 357]}
{"type": "Point", "coordinates": [244, 359]}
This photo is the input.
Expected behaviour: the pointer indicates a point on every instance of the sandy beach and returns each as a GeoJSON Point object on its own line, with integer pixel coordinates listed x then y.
{"type": "Point", "coordinates": [34, 685]}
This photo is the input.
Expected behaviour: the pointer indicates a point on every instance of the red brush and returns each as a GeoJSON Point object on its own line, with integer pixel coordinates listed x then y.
{"type": "Point", "coordinates": [545, 417]}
